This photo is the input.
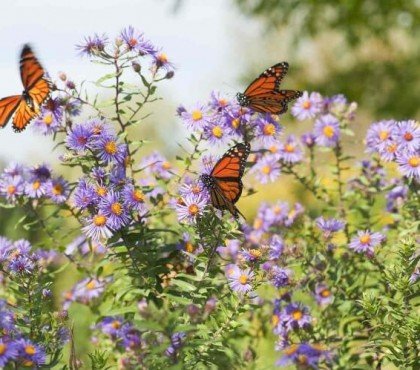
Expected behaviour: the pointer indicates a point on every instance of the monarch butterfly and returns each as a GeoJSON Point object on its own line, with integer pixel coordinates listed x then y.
{"type": "Point", "coordinates": [224, 181]}
{"type": "Point", "coordinates": [264, 95]}
{"type": "Point", "coordinates": [25, 107]}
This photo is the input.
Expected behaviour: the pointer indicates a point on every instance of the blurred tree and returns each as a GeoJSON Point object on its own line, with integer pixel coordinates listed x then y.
{"type": "Point", "coordinates": [366, 49]}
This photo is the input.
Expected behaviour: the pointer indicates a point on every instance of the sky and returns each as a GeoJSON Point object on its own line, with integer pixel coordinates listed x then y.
{"type": "Point", "coordinates": [201, 38]}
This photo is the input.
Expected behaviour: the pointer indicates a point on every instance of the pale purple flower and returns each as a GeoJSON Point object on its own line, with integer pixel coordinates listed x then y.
{"type": "Point", "coordinates": [96, 227]}
{"type": "Point", "coordinates": [396, 197]}
{"type": "Point", "coordinates": [109, 149]}
{"type": "Point", "coordinates": [276, 247]}
{"type": "Point", "coordinates": [113, 208]}
{"type": "Point", "coordinates": [279, 277]}
{"type": "Point", "coordinates": [409, 165]}
{"type": "Point", "coordinates": [241, 280]}
{"type": "Point", "coordinates": [21, 264]}
{"type": "Point", "coordinates": [267, 130]}
{"type": "Point", "coordinates": [323, 295]}
{"type": "Point", "coordinates": [11, 187]}
{"type": "Point", "coordinates": [296, 315]}
{"type": "Point", "coordinates": [196, 117]}
{"type": "Point", "coordinates": [190, 207]}
{"type": "Point", "coordinates": [161, 61]}
{"type": "Point", "coordinates": [329, 226]}
{"type": "Point", "coordinates": [366, 241]}
{"type": "Point", "coordinates": [327, 130]}
{"type": "Point", "coordinates": [380, 135]}
{"type": "Point", "coordinates": [407, 136]}
{"type": "Point", "coordinates": [219, 102]}
{"type": "Point", "coordinates": [216, 132]}
{"type": "Point", "coordinates": [111, 325]}
{"type": "Point", "coordinates": [8, 352]}
{"type": "Point", "coordinates": [303, 355]}
{"type": "Point", "coordinates": [92, 44]}
{"type": "Point", "coordinates": [134, 40]}
{"type": "Point", "coordinates": [88, 289]}
{"type": "Point", "coordinates": [133, 197]}
{"type": "Point", "coordinates": [307, 106]}
{"type": "Point", "coordinates": [84, 194]}
{"type": "Point", "coordinates": [50, 118]}
{"type": "Point", "coordinates": [79, 138]}
{"type": "Point", "coordinates": [157, 165]}
{"type": "Point", "coordinates": [267, 169]}
{"type": "Point", "coordinates": [58, 190]}
{"type": "Point", "coordinates": [308, 139]}
{"type": "Point", "coordinates": [230, 250]}
{"type": "Point", "coordinates": [290, 151]}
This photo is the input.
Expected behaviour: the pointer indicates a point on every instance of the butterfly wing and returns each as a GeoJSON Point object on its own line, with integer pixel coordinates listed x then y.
{"type": "Point", "coordinates": [23, 116]}
{"type": "Point", "coordinates": [268, 81]}
{"type": "Point", "coordinates": [31, 70]}
{"type": "Point", "coordinates": [274, 103]}
{"type": "Point", "coordinates": [8, 106]}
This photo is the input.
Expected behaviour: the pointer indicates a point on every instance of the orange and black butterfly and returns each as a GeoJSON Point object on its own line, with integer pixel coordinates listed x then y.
{"type": "Point", "coordinates": [264, 94]}
{"type": "Point", "coordinates": [224, 181]}
{"type": "Point", "coordinates": [36, 87]}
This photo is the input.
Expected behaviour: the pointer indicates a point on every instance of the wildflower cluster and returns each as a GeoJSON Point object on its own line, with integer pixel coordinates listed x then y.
{"type": "Point", "coordinates": [170, 280]}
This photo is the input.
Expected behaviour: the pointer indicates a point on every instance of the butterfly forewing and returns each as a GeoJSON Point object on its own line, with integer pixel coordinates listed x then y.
{"type": "Point", "coordinates": [31, 70]}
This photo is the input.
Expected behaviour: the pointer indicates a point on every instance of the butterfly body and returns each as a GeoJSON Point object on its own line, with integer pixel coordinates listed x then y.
{"type": "Point", "coordinates": [36, 91]}
{"type": "Point", "coordinates": [264, 95]}
{"type": "Point", "coordinates": [224, 182]}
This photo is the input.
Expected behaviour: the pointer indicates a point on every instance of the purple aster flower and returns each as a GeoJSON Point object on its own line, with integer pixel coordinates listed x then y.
{"type": "Point", "coordinates": [109, 150]}
{"type": "Point", "coordinates": [295, 315]}
{"type": "Point", "coordinates": [177, 339]}
{"type": "Point", "coordinates": [41, 172]}
{"type": "Point", "coordinates": [134, 40]}
{"type": "Point", "coordinates": [161, 61]}
{"type": "Point", "coordinates": [111, 325]}
{"type": "Point", "coordinates": [170, 352]}
{"type": "Point", "coordinates": [11, 187]}
{"type": "Point", "coordinates": [21, 264]}
{"type": "Point", "coordinates": [365, 241]}
{"type": "Point", "coordinates": [290, 151]}
{"type": "Point", "coordinates": [84, 194]}
{"type": "Point", "coordinates": [327, 130]}
{"type": "Point", "coordinates": [190, 207]}
{"type": "Point", "coordinates": [323, 295]}
{"type": "Point", "coordinates": [130, 337]}
{"type": "Point", "coordinates": [293, 214]}
{"type": "Point", "coordinates": [113, 208]}
{"type": "Point", "coordinates": [72, 107]}
{"type": "Point", "coordinates": [207, 163]}
{"type": "Point", "coordinates": [88, 289]}
{"type": "Point", "coordinates": [396, 197]}
{"type": "Point", "coordinates": [92, 45]}
{"type": "Point", "coordinates": [251, 254]}
{"type": "Point", "coordinates": [308, 139]}
{"type": "Point", "coordinates": [99, 128]}
{"type": "Point", "coordinates": [216, 132]}
{"type": "Point", "coordinates": [380, 135]}
{"type": "Point", "coordinates": [409, 165]}
{"type": "Point", "coordinates": [276, 247]}
{"type": "Point", "coordinates": [7, 319]}
{"type": "Point", "coordinates": [79, 138]}
{"type": "Point", "coordinates": [8, 352]}
{"type": "Point", "coordinates": [267, 129]}
{"type": "Point", "coordinates": [236, 118]}
{"type": "Point", "coordinates": [49, 121]}
{"type": "Point", "coordinates": [218, 102]}
{"type": "Point", "coordinates": [22, 246]}
{"type": "Point", "coordinates": [58, 190]}
{"type": "Point", "coordinates": [407, 136]}
{"type": "Point", "coordinates": [329, 226]}
{"type": "Point", "coordinates": [157, 165]}
{"type": "Point", "coordinates": [133, 197]}
{"type": "Point", "coordinates": [35, 188]}
{"type": "Point", "coordinates": [14, 169]}
{"type": "Point", "coordinates": [279, 277]}
{"type": "Point", "coordinates": [267, 169]}
{"type": "Point", "coordinates": [307, 106]}
{"type": "Point", "coordinates": [97, 228]}
{"type": "Point", "coordinates": [30, 354]}
{"type": "Point", "coordinates": [196, 118]}
{"type": "Point", "coordinates": [304, 355]}
{"type": "Point", "coordinates": [241, 280]}
{"type": "Point", "coordinates": [5, 247]}
{"type": "Point", "coordinates": [230, 250]}
{"type": "Point", "coordinates": [193, 188]}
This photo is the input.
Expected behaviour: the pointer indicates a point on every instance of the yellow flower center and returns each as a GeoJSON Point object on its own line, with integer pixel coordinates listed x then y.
{"type": "Point", "coordinates": [325, 293]}
{"type": "Point", "coordinates": [235, 123]}
{"type": "Point", "coordinates": [189, 247]}
{"type": "Point", "coordinates": [243, 279]}
{"type": "Point", "coordinates": [273, 149]}
{"type": "Point", "coordinates": [101, 191]}
{"type": "Point", "coordinates": [99, 220]}
{"type": "Point", "coordinates": [391, 148]}
{"type": "Point", "coordinates": [414, 161]}
{"type": "Point", "coordinates": [193, 209]}
{"type": "Point", "coordinates": [36, 185]}
{"type": "Point", "coordinates": [383, 135]}
{"type": "Point", "coordinates": [256, 253]}
{"type": "Point", "coordinates": [111, 147]}
{"type": "Point", "coordinates": [269, 129]}
{"type": "Point", "coordinates": [48, 119]}
{"type": "Point", "coordinates": [196, 115]}
{"type": "Point", "coordinates": [132, 42]}
{"type": "Point", "coordinates": [91, 285]}
{"type": "Point", "coordinates": [289, 148]}
{"type": "Point", "coordinates": [328, 131]}
{"type": "Point", "coordinates": [297, 314]}
{"type": "Point", "coordinates": [266, 170]}
{"type": "Point", "coordinates": [302, 359]}
{"type": "Point", "coordinates": [217, 131]}
{"type": "Point", "coordinates": [30, 350]}
{"type": "Point", "coordinates": [196, 189]}
{"type": "Point", "coordinates": [258, 222]}
{"type": "Point", "coordinates": [28, 363]}
{"type": "Point", "coordinates": [365, 239]}
{"type": "Point", "coordinates": [166, 165]}
{"type": "Point", "coordinates": [291, 349]}
{"type": "Point", "coordinates": [3, 348]}
{"type": "Point", "coordinates": [408, 136]}
{"type": "Point", "coordinates": [277, 210]}
{"type": "Point", "coordinates": [116, 324]}
{"type": "Point", "coordinates": [138, 195]}
{"type": "Point", "coordinates": [306, 104]}
{"type": "Point", "coordinates": [275, 320]}
{"type": "Point", "coordinates": [222, 102]}
{"type": "Point", "coordinates": [57, 189]}
{"type": "Point", "coordinates": [11, 189]}
{"type": "Point", "coordinates": [163, 58]}
{"type": "Point", "coordinates": [116, 208]}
